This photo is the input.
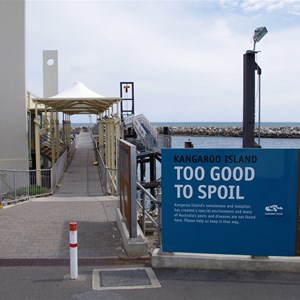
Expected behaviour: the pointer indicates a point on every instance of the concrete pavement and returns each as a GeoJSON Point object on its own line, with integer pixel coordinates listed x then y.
{"type": "Point", "coordinates": [38, 228]}
{"type": "Point", "coordinates": [35, 283]}
{"type": "Point", "coordinates": [34, 250]}
{"type": "Point", "coordinates": [81, 177]}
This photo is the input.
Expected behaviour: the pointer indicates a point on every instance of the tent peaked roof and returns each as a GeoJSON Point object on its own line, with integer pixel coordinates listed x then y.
{"type": "Point", "coordinates": [78, 100]}
{"type": "Point", "coordinates": [79, 91]}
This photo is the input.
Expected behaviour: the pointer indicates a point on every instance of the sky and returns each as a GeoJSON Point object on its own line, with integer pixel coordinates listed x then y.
{"type": "Point", "coordinates": [184, 57]}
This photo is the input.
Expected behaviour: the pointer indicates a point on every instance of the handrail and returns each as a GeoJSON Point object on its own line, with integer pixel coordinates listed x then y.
{"type": "Point", "coordinates": [105, 172]}
{"type": "Point", "coordinates": [145, 213]}
{"type": "Point", "coordinates": [143, 120]}
{"type": "Point", "coordinates": [111, 180]}
{"type": "Point", "coordinates": [147, 193]}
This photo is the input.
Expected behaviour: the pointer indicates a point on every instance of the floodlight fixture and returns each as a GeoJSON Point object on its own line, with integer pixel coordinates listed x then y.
{"type": "Point", "coordinates": [259, 33]}
{"type": "Point", "coordinates": [250, 67]}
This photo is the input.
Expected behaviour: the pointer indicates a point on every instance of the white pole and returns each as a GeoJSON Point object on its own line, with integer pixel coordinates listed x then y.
{"type": "Point", "coordinates": [73, 251]}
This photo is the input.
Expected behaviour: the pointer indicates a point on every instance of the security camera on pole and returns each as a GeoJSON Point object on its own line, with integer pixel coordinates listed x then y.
{"type": "Point", "coordinates": [250, 66]}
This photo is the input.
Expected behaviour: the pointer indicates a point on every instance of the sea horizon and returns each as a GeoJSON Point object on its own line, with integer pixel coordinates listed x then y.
{"type": "Point", "coordinates": [205, 124]}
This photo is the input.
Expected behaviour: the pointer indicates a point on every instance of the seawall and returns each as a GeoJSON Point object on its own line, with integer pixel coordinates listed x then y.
{"type": "Point", "coordinates": [233, 131]}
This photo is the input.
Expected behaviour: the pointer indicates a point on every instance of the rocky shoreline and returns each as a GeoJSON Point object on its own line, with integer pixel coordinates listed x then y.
{"type": "Point", "coordinates": [233, 131]}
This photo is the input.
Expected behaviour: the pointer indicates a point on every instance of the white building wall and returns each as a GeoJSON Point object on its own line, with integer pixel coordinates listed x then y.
{"type": "Point", "coordinates": [13, 115]}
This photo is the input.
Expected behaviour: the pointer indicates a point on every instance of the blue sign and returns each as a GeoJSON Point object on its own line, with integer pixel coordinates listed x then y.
{"type": "Point", "coordinates": [230, 201]}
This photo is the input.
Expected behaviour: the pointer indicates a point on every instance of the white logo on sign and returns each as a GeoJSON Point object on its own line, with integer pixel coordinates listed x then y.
{"type": "Point", "coordinates": [273, 210]}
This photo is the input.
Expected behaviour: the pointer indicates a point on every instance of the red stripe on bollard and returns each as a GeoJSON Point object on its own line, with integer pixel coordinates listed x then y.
{"type": "Point", "coordinates": [73, 245]}
{"type": "Point", "coordinates": [73, 226]}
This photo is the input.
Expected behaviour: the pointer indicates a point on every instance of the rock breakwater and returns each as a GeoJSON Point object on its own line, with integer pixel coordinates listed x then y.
{"type": "Point", "coordinates": [233, 131]}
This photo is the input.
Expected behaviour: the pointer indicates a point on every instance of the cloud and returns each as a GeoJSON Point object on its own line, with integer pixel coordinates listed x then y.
{"type": "Point", "coordinates": [252, 6]}
{"type": "Point", "coordinates": [185, 57]}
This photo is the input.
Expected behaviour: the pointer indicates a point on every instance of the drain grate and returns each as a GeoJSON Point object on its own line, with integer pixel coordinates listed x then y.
{"type": "Point", "coordinates": [124, 278]}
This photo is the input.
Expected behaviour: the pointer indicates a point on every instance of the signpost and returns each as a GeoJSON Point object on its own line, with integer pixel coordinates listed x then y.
{"type": "Point", "coordinates": [230, 201]}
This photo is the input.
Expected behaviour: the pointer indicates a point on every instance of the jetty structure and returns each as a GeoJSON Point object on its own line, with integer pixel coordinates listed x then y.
{"type": "Point", "coordinates": [36, 149]}
{"type": "Point", "coordinates": [51, 145]}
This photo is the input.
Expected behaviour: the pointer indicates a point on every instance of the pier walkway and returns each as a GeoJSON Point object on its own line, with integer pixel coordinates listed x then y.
{"type": "Point", "coordinates": [39, 228]}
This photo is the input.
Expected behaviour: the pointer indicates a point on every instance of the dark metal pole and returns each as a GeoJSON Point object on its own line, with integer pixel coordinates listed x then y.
{"type": "Point", "coordinates": [250, 67]}
{"type": "Point", "coordinates": [152, 178]}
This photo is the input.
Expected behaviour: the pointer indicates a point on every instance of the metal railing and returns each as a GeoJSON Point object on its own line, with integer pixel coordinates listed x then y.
{"type": "Point", "coordinates": [58, 170]}
{"type": "Point", "coordinates": [164, 141]}
{"type": "Point", "coordinates": [143, 120]}
{"type": "Point", "coordinates": [145, 214]}
{"type": "Point", "coordinates": [147, 133]}
{"type": "Point", "coordinates": [19, 185]}
{"type": "Point", "coordinates": [108, 183]}
{"type": "Point", "coordinates": [106, 174]}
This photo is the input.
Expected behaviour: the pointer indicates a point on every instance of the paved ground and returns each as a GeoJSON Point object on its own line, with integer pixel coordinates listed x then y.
{"type": "Point", "coordinates": [53, 283]}
{"type": "Point", "coordinates": [39, 228]}
{"type": "Point", "coordinates": [81, 178]}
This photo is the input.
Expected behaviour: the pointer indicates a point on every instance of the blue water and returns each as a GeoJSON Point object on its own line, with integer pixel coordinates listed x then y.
{"type": "Point", "coordinates": [223, 124]}
{"type": "Point", "coordinates": [205, 124]}
{"type": "Point", "coordinates": [223, 142]}
{"type": "Point", "coordinates": [232, 142]}
{"type": "Point", "coordinates": [229, 142]}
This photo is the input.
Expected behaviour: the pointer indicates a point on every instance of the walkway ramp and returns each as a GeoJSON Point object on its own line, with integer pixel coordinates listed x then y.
{"type": "Point", "coordinates": [39, 228]}
{"type": "Point", "coordinates": [81, 177]}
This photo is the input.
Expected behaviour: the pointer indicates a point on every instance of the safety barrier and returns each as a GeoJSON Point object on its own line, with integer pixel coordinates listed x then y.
{"type": "Point", "coordinates": [108, 182]}
{"type": "Point", "coordinates": [164, 141]}
{"type": "Point", "coordinates": [147, 133]}
{"type": "Point", "coordinates": [107, 178]}
{"type": "Point", "coordinates": [19, 185]}
{"type": "Point", "coordinates": [145, 214]}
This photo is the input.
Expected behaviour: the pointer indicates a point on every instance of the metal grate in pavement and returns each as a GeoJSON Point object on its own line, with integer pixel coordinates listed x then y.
{"type": "Point", "coordinates": [124, 278]}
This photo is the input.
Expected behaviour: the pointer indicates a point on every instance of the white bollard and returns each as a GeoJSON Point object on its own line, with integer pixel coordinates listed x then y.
{"type": "Point", "coordinates": [73, 251]}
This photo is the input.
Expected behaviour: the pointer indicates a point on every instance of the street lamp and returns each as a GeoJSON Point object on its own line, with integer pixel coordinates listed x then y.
{"type": "Point", "coordinates": [250, 66]}
{"type": "Point", "coordinates": [259, 33]}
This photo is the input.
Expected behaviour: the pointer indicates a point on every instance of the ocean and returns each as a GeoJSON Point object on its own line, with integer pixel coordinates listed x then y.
{"type": "Point", "coordinates": [229, 142]}
{"type": "Point", "coordinates": [232, 142]}
{"type": "Point", "coordinates": [205, 124]}
{"type": "Point", "coordinates": [223, 142]}
{"type": "Point", "coordinates": [224, 124]}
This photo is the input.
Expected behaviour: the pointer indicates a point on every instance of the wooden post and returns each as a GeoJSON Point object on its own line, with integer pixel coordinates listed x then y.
{"type": "Point", "coordinates": [107, 150]}
{"type": "Point", "coordinates": [101, 137]}
{"type": "Point", "coordinates": [117, 138]}
{"type": "Point", "coordinates": [37, 147]}
{"type": "Point", "coordinates": [52, 138]}
{"type": "Point", "coordinates": [68, 132]}
{"type": "Point", "coordinates": [57, 136]}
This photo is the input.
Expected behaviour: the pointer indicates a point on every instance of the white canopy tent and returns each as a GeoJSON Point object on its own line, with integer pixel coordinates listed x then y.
{"type": "Point", "coordinates": [78, 100]}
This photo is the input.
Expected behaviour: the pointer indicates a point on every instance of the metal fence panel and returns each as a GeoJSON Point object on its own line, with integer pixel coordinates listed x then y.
{"type": "Point", "coordinates": [20, 184]}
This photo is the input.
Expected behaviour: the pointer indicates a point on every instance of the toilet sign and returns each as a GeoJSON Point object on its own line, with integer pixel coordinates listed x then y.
{"type": "Point", "coordinates": [230, 201]}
